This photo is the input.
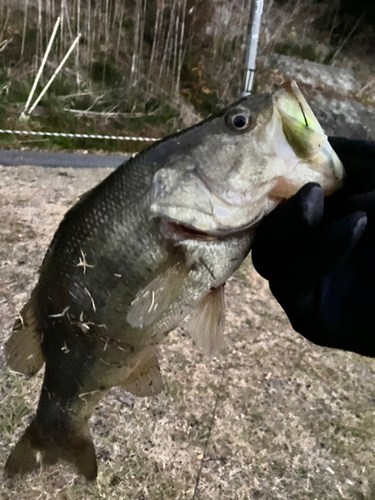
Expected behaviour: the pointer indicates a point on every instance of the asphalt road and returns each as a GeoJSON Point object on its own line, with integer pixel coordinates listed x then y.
{"type": "Point", "coordinates": [10, 157]}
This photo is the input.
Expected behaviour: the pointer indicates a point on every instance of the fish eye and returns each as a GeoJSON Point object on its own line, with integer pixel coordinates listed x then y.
{"type": "Point", "coordinates": [240, 121]}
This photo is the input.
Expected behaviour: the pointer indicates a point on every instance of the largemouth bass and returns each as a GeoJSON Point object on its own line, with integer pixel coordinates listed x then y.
{"type": "Point", "coordinates": [150, 245]}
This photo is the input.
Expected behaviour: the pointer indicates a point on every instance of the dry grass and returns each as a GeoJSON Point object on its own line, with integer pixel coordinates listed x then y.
{"type": "Point", "coordinates": [293, 421]}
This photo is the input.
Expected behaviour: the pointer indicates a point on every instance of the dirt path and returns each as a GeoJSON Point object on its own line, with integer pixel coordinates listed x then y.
{"type": "Point", "coordinates": [293, 421]}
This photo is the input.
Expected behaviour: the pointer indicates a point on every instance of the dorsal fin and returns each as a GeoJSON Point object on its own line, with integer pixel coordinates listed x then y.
{"type": "Point", "coordinates": [145, 379]}
{"type": "Point", "coordinates": [23, 350]}
{"type": "Point", "coordinates": [206, 322]}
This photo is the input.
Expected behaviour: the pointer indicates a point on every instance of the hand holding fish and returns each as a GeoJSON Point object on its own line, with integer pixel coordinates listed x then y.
{"type": "Point", "coordinates": [319, 255]}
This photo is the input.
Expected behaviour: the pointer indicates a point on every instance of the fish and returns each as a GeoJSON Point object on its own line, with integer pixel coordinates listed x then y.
{"type": "Point", "coordinates": [149, 247]}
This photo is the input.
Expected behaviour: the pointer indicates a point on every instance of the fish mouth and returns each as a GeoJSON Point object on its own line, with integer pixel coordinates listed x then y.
{"type": "Point", "coordinates": [176, 231]}
{"type": "Point", "coordinates": [303, 131]}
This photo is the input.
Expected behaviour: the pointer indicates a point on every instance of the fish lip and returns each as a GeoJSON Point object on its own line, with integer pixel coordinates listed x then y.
{"type": "Point", "coordinates": [301, 127]}
{"type": "Point", "coordinates": [335, 164]}
{"type": "Point", "coordinates": [177, 232]}
{"type": "Point", "coordinates": [228, 232]}
{"type": "Point", "coordinates": [291, 88]}
{"type": "Point", "coordinates": [303, 131]}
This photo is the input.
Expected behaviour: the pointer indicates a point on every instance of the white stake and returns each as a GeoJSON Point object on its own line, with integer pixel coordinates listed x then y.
{"type": "Point", "coordinates": [57, 71]}
{"type": "Point", "coordinates": [48, 49]}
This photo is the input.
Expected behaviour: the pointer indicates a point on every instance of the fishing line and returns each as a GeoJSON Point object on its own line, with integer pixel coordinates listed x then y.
{"type": "Point", "coordinates": [209, 434]}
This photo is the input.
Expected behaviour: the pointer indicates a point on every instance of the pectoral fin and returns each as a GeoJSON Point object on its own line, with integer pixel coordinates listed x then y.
{"type": "Point", "coordinates": [156, 297]}
{"type": "Point", "coordinates": [145, 379]}
{"type": "Point", "coordinates": [23, 350]}
{"type": "Point", "coordinates": [206, 323]}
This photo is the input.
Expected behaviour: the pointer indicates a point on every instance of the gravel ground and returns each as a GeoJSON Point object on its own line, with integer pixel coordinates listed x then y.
{"type": "Point", "coordinates": [271, 417]}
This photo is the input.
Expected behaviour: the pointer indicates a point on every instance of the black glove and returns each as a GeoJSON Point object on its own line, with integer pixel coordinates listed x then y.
{"type": "Point", "coordinates": [319, 255]}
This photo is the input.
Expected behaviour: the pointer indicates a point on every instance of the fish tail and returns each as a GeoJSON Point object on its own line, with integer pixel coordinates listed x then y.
{"type": "Point", "coordinates": [71, 444]}
{"type": "Point", "coordinates": [23, 350]}
{"type": "Point", "coordinates": [23, 458]}
{"type": "Point", "coordinates": [60, 428]}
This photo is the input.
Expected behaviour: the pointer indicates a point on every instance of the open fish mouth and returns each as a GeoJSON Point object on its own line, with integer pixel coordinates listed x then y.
{"type": "Point", "coordinates": [302, 129]}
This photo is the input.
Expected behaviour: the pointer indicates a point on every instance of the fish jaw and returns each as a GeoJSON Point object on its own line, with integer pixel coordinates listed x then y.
{"type": "Point", "coordinates": [304, 146]}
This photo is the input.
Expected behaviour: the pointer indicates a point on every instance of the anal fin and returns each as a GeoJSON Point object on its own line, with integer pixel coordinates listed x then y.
{"type": "Point", "coordinates": [145, 379]}
{"type": "Point", "coordinates": [206, 322]}
{"type": "Point", "coordinates": [23, 350]}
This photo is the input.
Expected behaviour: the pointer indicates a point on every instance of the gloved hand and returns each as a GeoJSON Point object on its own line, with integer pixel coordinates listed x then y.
{"type": "Point", "coordinates": [319, 255]}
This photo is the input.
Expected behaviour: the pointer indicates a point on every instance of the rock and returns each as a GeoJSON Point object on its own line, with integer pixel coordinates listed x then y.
{"type": "Point", "coordinates": [314, 74]}
{"type": "Point", "coordinates": [344, 118]}
{"type": "Point", "coordinates": [335, 95]}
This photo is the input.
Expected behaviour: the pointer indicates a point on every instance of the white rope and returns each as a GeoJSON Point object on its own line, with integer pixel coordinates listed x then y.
{"type": "Point", "coordinates": [78, 136]}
